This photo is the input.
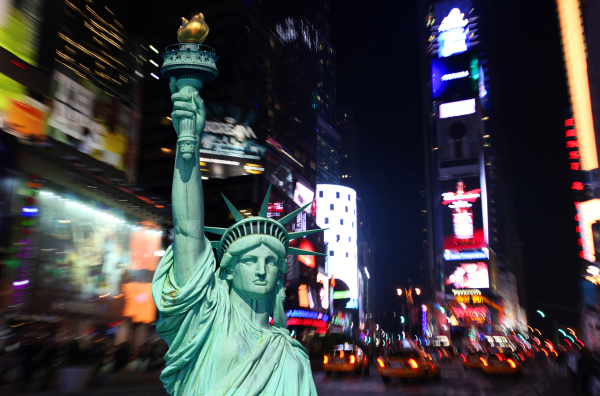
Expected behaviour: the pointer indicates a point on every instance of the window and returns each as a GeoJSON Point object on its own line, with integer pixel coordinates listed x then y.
{"type": "Point", "coordinates": [346, 209]}
{"type": "Point", "coordinates": [331, 252]}
{"type": "Point", "coordinates": [346, 254]}
{"type": "Point", "coordinates": [341, 221]}
{"type": "Point", "coordinates": [337, 194]}
{"type": "Point", "coordinates": [348, 197]}
{"type": "Point", "coordinates": [320, 194]}
{"type": "Point", "coordinates": [352, 224]}
{"type": "Point", "coordinates": [349, 239]}
{"type": "Point", "coordinates": [330, 206]}
{"type": "Point", "coordinates": [337, 238]}
{"type": "Point", "coordinates": [326, 220]}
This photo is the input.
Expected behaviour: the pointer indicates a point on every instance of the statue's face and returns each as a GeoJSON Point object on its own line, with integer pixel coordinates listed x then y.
{"type": "Point", "coordinates": [255, 275]}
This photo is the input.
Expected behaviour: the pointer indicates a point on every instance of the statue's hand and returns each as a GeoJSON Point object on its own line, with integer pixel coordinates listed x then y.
{"type": "Point", "coordinates": [187, 105]}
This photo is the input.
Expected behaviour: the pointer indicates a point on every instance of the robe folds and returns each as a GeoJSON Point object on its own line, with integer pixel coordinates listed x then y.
{"type": "Point", "coordinates": [214, 350]}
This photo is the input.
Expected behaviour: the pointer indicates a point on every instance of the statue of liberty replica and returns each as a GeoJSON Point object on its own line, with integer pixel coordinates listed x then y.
{"type": "Point", "coordinates": [216, 322]}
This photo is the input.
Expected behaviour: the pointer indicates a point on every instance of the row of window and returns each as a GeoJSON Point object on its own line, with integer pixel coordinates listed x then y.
{"type": "Point", "coordinates": [331, 207]}
{"type": "Point", "coordinates": [337, 195]}
{"type": "Point", "coordinates": [341, 221]}
{"type": "Point", "coordinates": [331, 253]}
{"type": "Point", "coordinates": [338, 238]}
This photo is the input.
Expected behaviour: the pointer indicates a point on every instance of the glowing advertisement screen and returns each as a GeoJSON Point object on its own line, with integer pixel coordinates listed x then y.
{"type": "Point", "coordinates": [462, 214]}
{"type": "Point", "coordinates": [303, 195]}
{"type": "Point", "coordinates": [454, 76]}
{"type": "Point", "coordinates": [454, 35]}
{"type": "Point", "coordinates": [472, 274]}
{"type": "Point", "coordinates": [233, 142]}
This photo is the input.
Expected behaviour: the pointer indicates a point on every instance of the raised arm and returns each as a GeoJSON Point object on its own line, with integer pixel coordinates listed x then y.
{"type": "Point", "coordinates": [188, 200]}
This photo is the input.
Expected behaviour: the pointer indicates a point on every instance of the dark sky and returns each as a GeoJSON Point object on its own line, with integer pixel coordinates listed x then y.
{"type": "Point", "coordinates": [378, 75]}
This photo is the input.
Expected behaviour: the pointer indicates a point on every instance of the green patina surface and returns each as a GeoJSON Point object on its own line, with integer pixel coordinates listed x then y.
{"type": "Point", "coordinates": [216, 322]}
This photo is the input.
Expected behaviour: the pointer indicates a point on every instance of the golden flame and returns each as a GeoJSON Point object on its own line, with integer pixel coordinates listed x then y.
{"type": "Point", "coordinates": [193, 31]}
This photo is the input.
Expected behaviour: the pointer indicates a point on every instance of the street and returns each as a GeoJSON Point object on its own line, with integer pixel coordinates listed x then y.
{"type": "Point", "coordinates": [455, 382]}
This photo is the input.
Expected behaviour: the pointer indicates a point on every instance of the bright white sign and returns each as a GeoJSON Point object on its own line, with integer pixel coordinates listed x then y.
{"type": "Point", "coordinates": [455, 109]}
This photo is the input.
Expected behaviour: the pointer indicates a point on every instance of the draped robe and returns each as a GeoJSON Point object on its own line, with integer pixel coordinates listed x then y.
{"type": "Point", "coordinates": [213, 349]}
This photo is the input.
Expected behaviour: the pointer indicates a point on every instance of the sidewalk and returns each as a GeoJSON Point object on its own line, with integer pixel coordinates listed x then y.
{"type": "Point", "coordinates": [126, 384]}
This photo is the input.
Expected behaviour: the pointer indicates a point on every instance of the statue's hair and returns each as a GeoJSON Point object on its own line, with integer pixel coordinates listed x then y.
{"type": "Point", "coordinates": [248, 243]}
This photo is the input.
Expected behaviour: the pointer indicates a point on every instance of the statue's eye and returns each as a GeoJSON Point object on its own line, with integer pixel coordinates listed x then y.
{"type": "Point", "coordinates": [272, 262]}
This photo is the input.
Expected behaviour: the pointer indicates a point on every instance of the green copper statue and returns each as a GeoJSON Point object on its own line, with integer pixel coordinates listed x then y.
{"type": "Point", "coordinates": [216, 323]}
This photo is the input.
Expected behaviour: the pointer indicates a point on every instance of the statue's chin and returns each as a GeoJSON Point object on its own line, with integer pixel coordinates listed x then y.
{"type": "Point", "coordinates": [186, 156]}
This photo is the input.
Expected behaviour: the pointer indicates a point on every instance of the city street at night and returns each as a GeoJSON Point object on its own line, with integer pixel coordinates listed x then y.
{"type": "Point", "coordinates": [300, 197]}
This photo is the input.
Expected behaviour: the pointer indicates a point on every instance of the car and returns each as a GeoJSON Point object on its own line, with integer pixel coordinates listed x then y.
{"type": "Point", "coordinates": [442, 354]}
{"type": "Point", "coordinates": [345, 358]}
{"type": "Point", "coordinates": [406, 364]}
{"type": "Point", "coordinates": [473, 359]}
{"type": "Point", "coordinates": [502, 364]}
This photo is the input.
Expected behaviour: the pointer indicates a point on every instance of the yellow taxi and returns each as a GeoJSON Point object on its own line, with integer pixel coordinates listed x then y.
{"type": "Point", "coordinates": [345, 357]}
{"type": "Point", "coordinates": [406, 364]}
{"type": "Point", "coordinates": [502, 364]}
{"type": "Point", "coordinates": [473, 359]}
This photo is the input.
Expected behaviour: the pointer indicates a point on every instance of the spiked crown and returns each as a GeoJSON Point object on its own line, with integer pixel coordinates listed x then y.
{"type": "Point", "coordinates": [260, 225]}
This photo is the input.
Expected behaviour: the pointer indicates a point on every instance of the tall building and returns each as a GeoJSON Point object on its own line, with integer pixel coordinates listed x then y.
{"type": "Point", "coordinates": [350, 147]}
{"type": "Point", "coordinates": [79, 240]}
{"type": "Point", "coordinates": [471, 237]}
{"type": "Point", "coordinates": [580, 31]}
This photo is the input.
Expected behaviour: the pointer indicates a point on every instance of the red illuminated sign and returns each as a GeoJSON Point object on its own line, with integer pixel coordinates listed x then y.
{"type": "Point", "coordinates": [275, 209]}
{"type": "Point", "coordinates": [319, 324]}
{"type": "Point", "coordinates": [577, 186]}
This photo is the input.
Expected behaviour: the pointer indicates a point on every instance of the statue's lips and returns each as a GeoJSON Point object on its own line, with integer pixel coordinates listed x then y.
{"type": "Point", "coordinates": [260, 282]}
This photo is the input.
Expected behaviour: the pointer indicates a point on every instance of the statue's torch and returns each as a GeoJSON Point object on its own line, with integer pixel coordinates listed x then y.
{"type": "Point", "coordinates": [191, 63]}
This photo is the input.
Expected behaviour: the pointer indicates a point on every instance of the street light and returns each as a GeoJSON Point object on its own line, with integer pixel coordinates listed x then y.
{"type": "Point", "coordinates": [399, 291]}
{"type": "Point", "coordinates": [418, 291]}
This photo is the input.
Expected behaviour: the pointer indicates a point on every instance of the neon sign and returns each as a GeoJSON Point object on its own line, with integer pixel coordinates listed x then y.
{"type": "Point", "coordinates": [275, 209]}
{"type": "Point", "coordinates": [472, 255]}
{"type": "Point", "coordinates": [319, 324]}
{"type": "Point", "coordinates": [300, 313]}
{"type": "Point", "coordinates": [454, 76]}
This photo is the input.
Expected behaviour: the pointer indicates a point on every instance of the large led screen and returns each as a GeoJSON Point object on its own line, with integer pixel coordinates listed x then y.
{"type": "Point", "coordinates": [453, 28]}
{"type": "Point", "coordinates": [472, 274]}
{"type": "Point", "coordinates": [462, 214]}
{"type": "Point", "coordinates": [454, 76]}
{"type": "Point", "coordinates": [303, 195]}
{"type": "Point", "coordinates": [233, 142]}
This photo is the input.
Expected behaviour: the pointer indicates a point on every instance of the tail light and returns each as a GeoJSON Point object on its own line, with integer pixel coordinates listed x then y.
{"type": "Point", "coordinates": [325, 359]}
{"type": "Point", "coordinates": [512, 364]}
{"type": "Point", "coordinates": [463, 357]}
{"type": "Point", "coordinates": [380, 362]}
{"type": "Point", "coordinates": [520, 357]}
{"type": "Point", "coordinates": [440, 352]}
{"type": "Point", "coordinates": [352, 359]}
{"type": "Point", "coordinates": [500, 357]}
{"type": "Point", "coordinates": [483, 361]}
{"type": "Point", "coordinates": [431, 364]}
{"type": "Point", "coordinates": [413, 363]}
{"type": "Point", "coordinates": [365, 360]}
{"type": "Point", "coordinates": [341, 354]}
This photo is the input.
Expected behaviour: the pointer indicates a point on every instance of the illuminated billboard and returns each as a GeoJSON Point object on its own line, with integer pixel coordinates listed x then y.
{"type": "Point", "coordinates": [87, 118]}
{"type": "Point", "coordinates": [458, 75]}
{"type": "Point", "coordinates": [472, 274]}
{"type": "Point", "coordinates": [303, 195]}
{"type": "Point", "coordinates": [455, 109]}
{"type": "Point", "coordinates": [588, 214]}
{"type": "Point", "coordinates": [336, 211]}
{"type": "Point", "coordinates": [232, 142]}
{"type": "Point", "coordinates": [462, 214]}
{"type": "Point", "coordinates": [453, 37]}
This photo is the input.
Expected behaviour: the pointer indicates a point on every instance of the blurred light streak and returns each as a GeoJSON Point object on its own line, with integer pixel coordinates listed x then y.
{"type": "Point", "coordinates": [576, 67]}
{"type": "Point", "coordinates": [153, 49]}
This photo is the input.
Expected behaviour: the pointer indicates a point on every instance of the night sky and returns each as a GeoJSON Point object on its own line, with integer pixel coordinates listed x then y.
{"type": "Point", "coordinates": [378, 75]}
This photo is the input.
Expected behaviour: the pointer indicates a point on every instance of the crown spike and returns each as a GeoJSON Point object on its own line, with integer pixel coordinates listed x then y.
{"type": "Point", "coordinates": [300, 234]}
{"type": "Point", "coordinates": [264, 209]}
{"type": "Point", "coordinates": [236, 215]}
{"type": "Point", "coordinates": [302, 252]}
{"type": "Point", "coordinates": [215, 230]}
{"type": "Point", "coordinates": [290, 216]}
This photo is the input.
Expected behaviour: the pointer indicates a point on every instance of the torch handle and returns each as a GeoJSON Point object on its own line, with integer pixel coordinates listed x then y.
{"type": "Point", "coordinates": [187, 126]}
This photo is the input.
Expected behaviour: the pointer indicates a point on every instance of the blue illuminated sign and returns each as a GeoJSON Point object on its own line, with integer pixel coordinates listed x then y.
{"type": "Point", "coordinates": [455, 77]}
{"type": "Point", "coordinates": [299, 313]}
{"type": "Point", "coordinates": [473, 255]}
{"type": "Point", "coordinates": [29, 212]}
